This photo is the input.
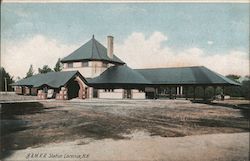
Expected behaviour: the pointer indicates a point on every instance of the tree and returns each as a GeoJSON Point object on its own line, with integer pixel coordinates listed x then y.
{"type": "Point", "coordinates": [45, 69]}
{"type": "Point", "coordinates": [233, 77]}
{"type": "Point", "coordinates": [246, 89]}
{"type": "Point", "coordinates": [233, 91]}
{"type": "Point", "coordinates": [247, 76]}
{"type": "Point", "coordinates": [5, 77]}
{"type": "Point", "coordinates": [58, 66]}
{"type": "Point", "coordinates": [30, 72]}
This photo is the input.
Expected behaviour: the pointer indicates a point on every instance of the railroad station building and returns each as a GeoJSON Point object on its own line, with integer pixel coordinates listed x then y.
{"type": "Point", "coordinates": [94, 71]}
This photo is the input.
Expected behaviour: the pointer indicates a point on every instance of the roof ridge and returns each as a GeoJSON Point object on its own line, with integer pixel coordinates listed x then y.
{"type": "Point", "coordinates": [97, 50]}
{"type": "Point", "coordinates": [168, 67]}
{"type": "Point", "coordinates": [92, 47]}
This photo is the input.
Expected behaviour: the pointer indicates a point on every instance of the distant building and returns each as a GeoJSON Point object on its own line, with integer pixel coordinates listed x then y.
{"type": "Point", "coordinates": [94, 71]}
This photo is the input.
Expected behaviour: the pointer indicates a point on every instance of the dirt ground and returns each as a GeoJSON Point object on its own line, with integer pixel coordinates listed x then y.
{"type": "Point", "coordinates": [11, 96]}
{"type": "Point", "coordinates": [35, 124]}
{"type": "Point", "coordinates": [141, 147]}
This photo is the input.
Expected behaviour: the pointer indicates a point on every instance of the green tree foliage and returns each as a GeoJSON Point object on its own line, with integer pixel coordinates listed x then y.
{"type": "Point", "coordinates": [58, 66]}
{"type": "Point", "coordinates": [45, 69]}
{"type": "Point", "coordinates": [233, 77]}
{"type": "Point", "coordinates": [233, 91]}
{"type": "Point", "coordinates": [246, 89]}
{"type": "Point", "coordinates": [5, 76]}
{"type": "Point", "coordinates": [30, 72]}
{"type": "Point", "coordinates": [239, 91]}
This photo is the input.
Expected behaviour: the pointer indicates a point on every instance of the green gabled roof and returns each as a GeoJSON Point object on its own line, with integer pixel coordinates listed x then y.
{"type": "Point", "coordinates": [197, 75]}
{"type": "Point", "coordinates": [92, 50]}
{"type": "Point", "coordinates": [119, 75]}
{"type": "Point", "coordinates": [122, 76]}
{"type": "Point", "coordinates": [52, 79]}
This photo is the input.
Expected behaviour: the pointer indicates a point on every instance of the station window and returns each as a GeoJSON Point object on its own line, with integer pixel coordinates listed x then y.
{"type": "Point", "coordinates": [104, 64]}
{"type": "Point", "coordinates": [70, 65]}
{"type": "Point", "coordinates": [85, 64]}
{"type": "Point", "coordinates": [109, 90]}
{"type": "Point", "coordinates": [141, 90]}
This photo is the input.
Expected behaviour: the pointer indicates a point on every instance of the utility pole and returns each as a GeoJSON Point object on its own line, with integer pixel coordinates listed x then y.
{"type": "Point", "coordinates": [5, 80]}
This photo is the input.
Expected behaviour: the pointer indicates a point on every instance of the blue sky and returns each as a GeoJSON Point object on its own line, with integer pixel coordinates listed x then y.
{"type": "Point", "coordinates": [212, 27]}
{"type": "Point", "coordinates": [185, 24]}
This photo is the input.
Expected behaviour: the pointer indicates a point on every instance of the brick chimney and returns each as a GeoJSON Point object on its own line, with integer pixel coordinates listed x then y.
{"type": "Point", "coordinates": [110, 46]}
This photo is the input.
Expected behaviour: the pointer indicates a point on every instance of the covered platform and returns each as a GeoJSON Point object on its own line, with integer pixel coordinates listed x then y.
{"type": "Point", "coordinates": [175, 82]}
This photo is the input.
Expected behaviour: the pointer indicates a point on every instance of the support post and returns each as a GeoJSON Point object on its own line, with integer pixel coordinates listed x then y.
{"type": "Point", "coordinates": [29, 90]}
{"type": "Point", "coordinates": [194, 93]}
{"type": "Point", "coordinates": [204, 93]}
{"type": "Point", "coordinates": [170, 95]}
{"type": "Point", "coordinates": [175, 92]}
{"type": "Point", "coordinates": [156, 93]}
{"type": "Point", "coordinates": [5, 83]}
{"type": "Point", "coordinates": [223, 93]}
{"type": "Point", "coordinates": [186, 92]}
{"type": "Point", "coordinates": [214, 94]}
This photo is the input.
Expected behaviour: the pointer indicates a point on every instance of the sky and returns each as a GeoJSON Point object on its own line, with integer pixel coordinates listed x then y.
{"type": "Point", "coordinates": [146, 35]}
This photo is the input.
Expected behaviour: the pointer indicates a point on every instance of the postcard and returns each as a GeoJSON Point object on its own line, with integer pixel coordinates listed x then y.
{"type": "Point", "coordinates": [124, 80]}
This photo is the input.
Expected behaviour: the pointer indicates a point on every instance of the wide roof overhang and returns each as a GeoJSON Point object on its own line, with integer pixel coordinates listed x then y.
{"type": "Point", "coordinates": [51, 79]}
{"type": "Point", "coordinates": [123, 76]}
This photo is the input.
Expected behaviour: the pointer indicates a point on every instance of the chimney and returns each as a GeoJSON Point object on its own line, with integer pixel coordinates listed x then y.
{"type": "Point", "coordinates": [110, 46]}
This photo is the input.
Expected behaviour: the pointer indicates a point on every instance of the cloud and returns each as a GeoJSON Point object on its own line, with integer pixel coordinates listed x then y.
{"type": "Point", "coordinates": [210, 42]}
{"type": "Point", "coordinates": [141, 52]}
{"type": "Point", "coordinates": [137, 50]}
{"type": "Point", "coordinates": [38, 50]}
